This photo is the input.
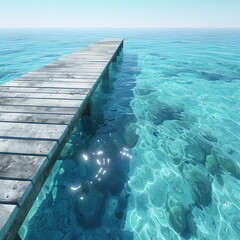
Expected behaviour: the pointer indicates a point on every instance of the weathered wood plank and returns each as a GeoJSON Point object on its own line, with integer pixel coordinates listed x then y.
{"type": "Point", "coordinates": [14, 191]}
{"type": "Point", "coordinates": [38, 84]}
{"type": "Point", "coordinates": [66, 74]}
{"type": "Point", "coordinates": [35, 118]}
{"type": "Point", "coordinates": [100, 52]}
{"type": "Point", "coordinates": [86, 63]}
{"type": "Point", "coordinates": [28, 147]}
{"type": "Point", "coordinates": [110, 45]}
{"type": "Point", "coordinates": [32, 131]}
{"type": "Point", "coordinates": [37, 110]}
{"type": "Point", "coordinates": [80, 72]}
{"type": "Point", "coordinates": [90, 58]}
{"type": "Point", "coordinates": [46, 77]}
{"type": "Point", "coordinates": [83, 71]}
{"type": "Point", "coordinates": [8, 213]}
{"type": "Point", "coordinates": [93, 66]}
{"type": "Point", "coordinates": [42, 103]}
{"type": "Point", "coordinates": [80, 69]}
{"type": "Point", "coordinates": [86, 78]}
{"type": "Point", "coordinates": [44, 90]}
{"type": "Point", "coordinates": [110, 41]}
{"type": "Point", "coordinates": [65, 80]}
{"type": "Point", "coordinates": [97, 51]}
{"type": "Point", "coordinates": [21, 166]}
{"type": "Point", "coordinates": [73, 96]}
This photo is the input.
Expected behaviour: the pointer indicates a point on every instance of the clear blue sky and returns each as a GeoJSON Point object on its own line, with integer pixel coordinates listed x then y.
{"type": "Point", "coordinates": [119, 13]}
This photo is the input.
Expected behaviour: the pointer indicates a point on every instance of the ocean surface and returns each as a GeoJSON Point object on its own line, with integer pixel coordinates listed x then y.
{"type": "Point", "coordinates": [162, 157]}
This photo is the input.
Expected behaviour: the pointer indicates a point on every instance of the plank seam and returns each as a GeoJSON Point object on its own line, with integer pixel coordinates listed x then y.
{"type": "Point", "coordinates": [57, 113]}
{"type": "Point", "coordinates": [48, 123]}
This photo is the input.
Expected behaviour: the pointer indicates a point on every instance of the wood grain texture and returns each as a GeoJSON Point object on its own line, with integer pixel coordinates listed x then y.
{"type": "Point", "coordinates": [85, 63]}
{"type": "Point", "coordinates": [37, 109]}
{"type": "Point", "coordinates": [73, 96]}
{"type": "Point", "coordinates": [83, 79]}
{"type": "Point", "coordinates": [32, 131]}
{"type": "Point", "coordinates": [6, 210]}
{"type": "Point", "coordinates": [43, 90]}
{"type": "Point", "coordinates": [8, 213]}
{"type": "Point", "coordinates": [35, 118]}
{"type": "Point", "coordinates": [40, 103]}
{"type": "Point", "coordinates": [28, 147]}
{"type": "Point", "coordinates": [21, 166]}
{"type": "Point", "coordinates": [14, 191]}
{"type": "Point", "coordinates": [39, 84]}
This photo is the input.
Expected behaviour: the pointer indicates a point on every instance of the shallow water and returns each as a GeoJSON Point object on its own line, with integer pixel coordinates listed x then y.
{"type": "Point", "coordinates": [161, 159]}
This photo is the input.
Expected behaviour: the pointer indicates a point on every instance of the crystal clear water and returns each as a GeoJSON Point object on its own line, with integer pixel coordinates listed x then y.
{"type": "Point", "coordinates": [161, 159]}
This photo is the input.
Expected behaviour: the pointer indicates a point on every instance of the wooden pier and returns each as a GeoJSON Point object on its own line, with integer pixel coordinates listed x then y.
{"type": "Point", "coordinates": [38, 111]}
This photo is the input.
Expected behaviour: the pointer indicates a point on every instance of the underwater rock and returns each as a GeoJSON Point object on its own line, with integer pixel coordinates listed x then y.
{"type": "Point", "coordinates": [209, 136]}
{"type": "Point", "coordinates": [227, 163]}
{"type": "Point", "coordinates": [235, 222]}
{"type": "Point", "coordinates": [161, 112]}
{"type": "Point", "coordinates": [130, 135]}
{"type": "Point", "coordinates": [159, 56]}
{"type": "Point", "coordinates": [116, 139]}
{"type": "Point", "coordinates": [156, 196]}
{"type": "Point", "coordinates": [68, 176]}
{"type": "Point", "coordinates": [186, 122]}
{"type": "Point", "coordinates": [195, 150]}
{"type": "Point", "coordinates": [120, 211]}
{"type": "Point", "coordinates": [124, 119]}
{"type": "Point", "coordinates": [211, 164]}
{"type": "Point", "coordinates": [84, 165]}
{"type": "Point", "coordinates": [192, 228]}
{"type": "Point", "coordinates": [219, 179]}
{"type": "Point", "coordinates": [89, 206]}
{"type": "Point", "coordinates": [176, 160]}
{"type": "Point", "coordinates": [173, 72]}
{"type": "Point", "coordinates": [180, 217]}
{"type": "Point", "coordinates": [113, 181]}
{"type": "Point", "coordinates": [70, 170]}
{"type": "Point", "coordinates": [109, 220]}
{"type": "Point", "coordinates": [104, 162]}
{"type": "Point", "coordinates": [66, 152]}
{"type": "Point", "coordinates": [115, 212]}
{"type": "Point", "coordinates": [101, 153]}
{"type": "Point", "coordinates": [209, 76]}
{"type": "Point", "coordinates": [204, 144]}
{"type": "Point", "coordinates": [143, 91]}
{"type": "Point", "coordinates": [199, 183]}
{"type": "Point", "coordinates": [96, 234]}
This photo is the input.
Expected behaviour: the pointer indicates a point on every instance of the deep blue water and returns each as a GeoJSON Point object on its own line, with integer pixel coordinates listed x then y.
{"type": "Point", "coordinates": [162, 158]}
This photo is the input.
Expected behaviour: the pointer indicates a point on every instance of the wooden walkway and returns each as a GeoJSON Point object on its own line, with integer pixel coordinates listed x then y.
{"type": "Point", "coordinates": [37, 113]}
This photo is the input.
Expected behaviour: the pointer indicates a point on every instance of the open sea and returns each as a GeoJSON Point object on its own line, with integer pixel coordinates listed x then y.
{"type": "Point", "coordinates": [162, 159]}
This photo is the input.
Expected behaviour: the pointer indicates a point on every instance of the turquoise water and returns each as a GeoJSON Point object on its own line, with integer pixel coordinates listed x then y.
{"type": "Point", "coordinates": [162, 158]}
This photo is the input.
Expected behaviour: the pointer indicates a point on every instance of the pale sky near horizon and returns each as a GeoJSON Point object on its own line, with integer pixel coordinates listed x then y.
{"type": "Point", "coordinates": [119, 13]}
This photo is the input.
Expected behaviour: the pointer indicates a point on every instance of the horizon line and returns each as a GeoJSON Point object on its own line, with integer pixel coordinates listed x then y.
{"type": "Point", "coordinates": [112, 28]}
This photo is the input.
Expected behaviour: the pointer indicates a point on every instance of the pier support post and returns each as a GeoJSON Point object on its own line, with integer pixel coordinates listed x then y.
{"type": "Point", "coordinates": [17, 237]}
{"type": "Point", "coordinates": [106, 82]}
{"type": "Point", "coordinates": [120, 49]}
{"type": "Point", "coordinates": [115, 58]}
{"type": "Point", "coordinates": [118, 52]}
{"type": "Point", "coordinates": [106, 74]}
{"type": "Point", "coordinates": [121, 46]}
{"type": "Point", "coordinates": [86, 118]}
